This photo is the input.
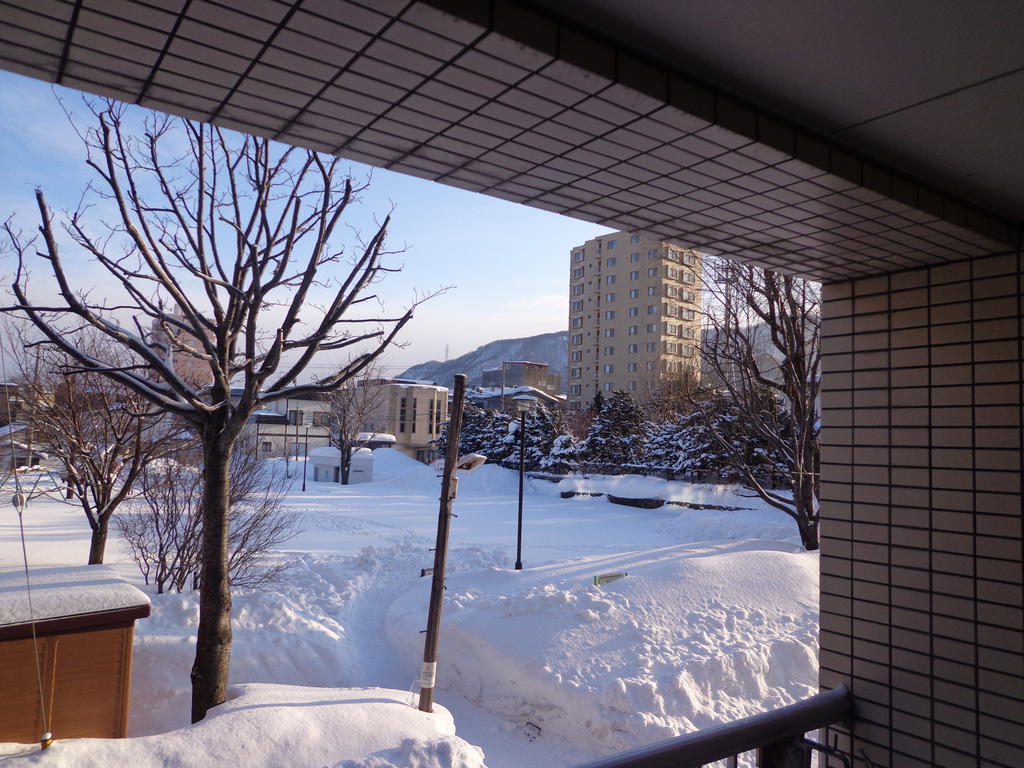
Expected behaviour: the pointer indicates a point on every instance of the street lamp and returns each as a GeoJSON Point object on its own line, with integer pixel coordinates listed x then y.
{"type": "Point", "coordinates": [305, 459]}
{"type": "Point", "coordinates": [523, 404]}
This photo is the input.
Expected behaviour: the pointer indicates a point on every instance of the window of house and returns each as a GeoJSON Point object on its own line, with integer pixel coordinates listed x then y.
{"type": "Point", "coordinates": [651, 365]}
{"type": "Point", "coordinates": [578, 256]}
{"type": "Point", "coordinates": [652, 253]}
{"type": "Point", "coordinates": [688, 277]}
{"type": "Point", "coordinates": [609, 368]}
{"type": "Point", "coordinates": [321, 419]}
{"type": "Point", "coordinates": [671, 329]}
{"type": "Point", "coordinates": [578, 272]}
{"type": "Point", "coordinates": [577, 322]}
{"type": "Point", "coordinates": [633, 330]}
{"type": "Point", "coordinates": [634, 257]}
{"type": "Point", "coordinates": [632, 349]}
{"type": "Point", "coordinates": [609, 297]}
{"type": "Point", "coordinates": [610, 262]}
{"type": "Point", "coordinates": [577, 289]}
{"type": "Point", "coordinates": [577, 338]}
{"type": "Point", "coordinates": [686, 332]}
{"type": "Point", "coordinates": [295, 418]}
{"type": "Point", "coordinates": [575, 373]}
{"type": "Point", "coordinates": [401, 414]}
{"type": "Point", "coordinates": [577, 306]}
{"type": "Point", "coordinates": [673, 254]}
{"type": "Point", "coordinates": [634, 293]}
{"type": "Point", "coordinates": [414, 414]}
{"type": "Point", "coordinates": [652, 271]}
{"type": "Point", "coordinates": [671, 348]}
{"type": "Point", "coordinates": [689, 259]}
{"type": "Point", "coordinates": [688, 296]}
{"type": "Point", "coordinates": [652, 327]}
{"type": "Point", "coordinates": [689, 314]}
{"type": "Point", "coordinates": [652, 309]}
{"type": "Point", "coordinates": [671, 310]}
{"type": "Point", "coordinates": [631, 367]}
{"type": "Point", "coordinates": [609, 332]}
{"type": "Point", "coordinates": [673, 273]}
{"type": "Point", "coordinates": [609, 314]}
{"type": "Point", "coordinates": [610, 245]}
{"type": "Point", "coordinates": [634, 239]}
{"type": "Point", "coordinates": [634, 311]}
{"type": "Point", "coordinates": [607, 386]}
{"type": "Point", "coordinates": [609, 351]}
{"type": "Point", "coordinates": [651, 346]}
{"type": "Point", "coordinates": [634, 275]}
{"type": "Point", "coordinates": [632, 386]}
{"type": "Point", "coordinates": [652, 290]}
{"type": "Point", "coordinates": [609, 279]}
{"type": "Point", "coordinates": [672, 367]}
{"type": "Point", "coordinates": [687, 351]}
{"type": "Point", "coordinates": [574, 389]}
{"type": "Point", "coordinates": [576, 355]}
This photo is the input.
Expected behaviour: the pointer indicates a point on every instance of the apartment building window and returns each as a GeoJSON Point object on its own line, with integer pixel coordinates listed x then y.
{"type": "Point", "coordinates": [673, 273]}
{"type": "Point", "coordinates": [322, 419]}
{"type": "Point", "coordinates": [577, 289]}
{"type": "Point", "coordinates": [634, 257]}
{"type": "Point", "coordinates": [652, 327]}
{"type": "Point", "coordinates": [576, 355]}
{"type": "Point", "coordinates": [687, 351]}
{"type": "Point", "coordinates": [295, 418]}
{"type": "Point", "coordinates": [651, 365]}
{"type": "Point", "coordinates": [689, 314]}
{"type": "Point", "coordinates": [673, 254]}
{"type": "Point", "coordinates": [686, 332]}
{"type": "Point", "coordinates": [577, 338]}
{"type": "Point", "coordinates": [609, 368]}
{"type": "Point", "coordinates": [652, 271]}
{"type": "Point", "coordinates": [609, 351]}
{"type": "Point", "coordinates": [577, 322]}
{"type": "Point", "coordinates": [633, 330]}
{"type": "Point", "coordinates": [632, 349]}
{"type": "Point", "coordinates": [609, 297]}
{"type": "Point", "coordinates": [632, 386]}
{"type": "Point", "coordinates": [609, 332]}
{"type": "Point", "coordinates": [609, 279]}
{"type": "Point", "coordinates": [671, 310]}
{"type": "Point", "coordinates": [652, 253]}
{"type": "Point", "coordinates": [634, 239]}
{"type": "Point", "coordinates": [634, 293]}
{"type": "Point", "coordinates": [609, 314]}
{"type": "Point", "coordinates": [671, 291]}
{"type": "Point", "coordinates": [574, 389]}
{"type": "Point", "coordinates": [672, 367]}
{"type": "Point", "coordinates": [671, 329]}
{"type": "Point", "coordinates": [652, 290]}
{"type": "Point", "coordinates": [437, 414]}
{"type": "Point", "coordinates": [634, 311]}
{"type": "Point", "coordinates": [610, 262]}
{"type": "Point", "coordinates": [689, 259]}
{"type": "Point", "coordinates": [401, 414]}
{"type": "Point", "coordinates": [578, 256]}
{"type": "Point", "coordinates": [574, 373]}
{"type": "Point", "coordinates": [688, 296]}
{"type": "Point", "coordinates": [610, 245]}
{"type": "Point", "coordinates": [607, 386]}
{"type": "Point", "coordinates": [689, 277]}
{"type": "Point", "coordinates": [634, 275]}
{"type": "Point", "coordinates": [631, 367]}
{"type": "Point", "coordinates": [578, 272]}
{"type": "Point", "coordinates": [414, 414]}
{"type": "Point", "coordinates": [577, 306]}
{"type": "Point", "coordinates": [651, 346]}
{"type": "Point", "coordinates": [652, 309]}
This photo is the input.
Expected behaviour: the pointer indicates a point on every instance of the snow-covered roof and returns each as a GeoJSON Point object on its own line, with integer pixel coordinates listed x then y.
{"type": "Point", "coordinates": [376, 437]}
{"type": "Point", "coordinates": [13, 427]}
{"type": "Point", "coordinates": [325, 452]}
{"type": "Point", "coordinates": [64, 591]}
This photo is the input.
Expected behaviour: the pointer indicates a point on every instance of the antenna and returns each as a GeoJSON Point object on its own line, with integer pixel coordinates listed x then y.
{"type": "Point", "coordinates": [446, 353]}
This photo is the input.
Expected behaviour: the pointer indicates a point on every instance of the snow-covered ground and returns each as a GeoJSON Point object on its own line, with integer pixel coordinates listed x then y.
{"type": "Point", "coordinates": [716, 619]}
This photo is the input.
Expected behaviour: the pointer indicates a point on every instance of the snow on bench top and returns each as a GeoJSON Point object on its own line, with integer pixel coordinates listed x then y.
{"type": "Point", "coordinates": [64, 591]}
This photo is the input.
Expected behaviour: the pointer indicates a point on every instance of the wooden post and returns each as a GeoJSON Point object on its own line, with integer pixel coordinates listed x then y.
{"type": "Point", "coordinates": [444, 520]}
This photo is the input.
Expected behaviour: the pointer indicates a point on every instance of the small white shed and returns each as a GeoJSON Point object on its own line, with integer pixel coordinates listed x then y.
{"type": "Point", "coordinates": [327, 465]}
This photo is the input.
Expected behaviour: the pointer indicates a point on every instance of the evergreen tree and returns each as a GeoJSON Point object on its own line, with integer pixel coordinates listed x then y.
{"type": "Point", "coordinates": [563, 458]}
{"type": "Point", "coordinates": [616, 434]}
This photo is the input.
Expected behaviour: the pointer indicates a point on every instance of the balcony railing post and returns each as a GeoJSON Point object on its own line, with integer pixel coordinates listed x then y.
{"type": "Point", "coordinates": [785, 753]}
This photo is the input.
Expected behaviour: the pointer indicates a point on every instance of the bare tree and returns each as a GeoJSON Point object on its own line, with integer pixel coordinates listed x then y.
{"type": "Point", "coordinates": [164, 528]}
{"type": "Point", "coordinates": [236, 235]}
{"type": "Point", "coordinates": [102, 433]}
{"type": "Point", "coordinates": [762, 347]}
{"type": "Point", "coordinates": [353, 407]}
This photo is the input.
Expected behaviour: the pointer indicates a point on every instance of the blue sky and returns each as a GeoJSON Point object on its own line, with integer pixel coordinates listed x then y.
{"type": "Point", "coordinates": [507, 263]}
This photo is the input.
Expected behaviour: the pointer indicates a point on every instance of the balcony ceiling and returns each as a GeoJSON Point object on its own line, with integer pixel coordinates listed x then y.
{"type": "Point", "coordinates": [828, 138]}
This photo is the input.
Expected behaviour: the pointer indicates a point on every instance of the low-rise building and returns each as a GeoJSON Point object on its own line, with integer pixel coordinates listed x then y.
{"type": "Point", "coordinates": [522, 373]}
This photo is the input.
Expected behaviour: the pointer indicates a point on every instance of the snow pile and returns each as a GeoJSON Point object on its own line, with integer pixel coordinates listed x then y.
{"type": "Point", "coordinates": [641, 487]}
{"type": "Point", "coordinates": [395, 468]}
{"type": "Point", "coordinates": [688, 639]}
{"type": "Point", "coordinates": [343, 728]}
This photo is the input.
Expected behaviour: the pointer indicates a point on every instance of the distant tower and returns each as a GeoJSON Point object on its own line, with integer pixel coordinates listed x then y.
{"type": "Point", "coordinates": [446, 353]}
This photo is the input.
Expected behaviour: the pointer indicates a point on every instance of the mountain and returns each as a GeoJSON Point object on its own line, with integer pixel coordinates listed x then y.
{"type": "Point", "coordinates": [550, 348]}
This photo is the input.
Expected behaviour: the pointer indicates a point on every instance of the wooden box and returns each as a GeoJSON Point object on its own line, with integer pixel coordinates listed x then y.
{"type": "Point", "coordinates": [84, 626]}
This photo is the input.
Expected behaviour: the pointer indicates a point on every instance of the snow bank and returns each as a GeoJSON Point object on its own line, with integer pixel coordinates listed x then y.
{"type": "Point", "coordinates": [691, 637]}
{"type": "Point", "coordinates": [640, 487]}
{"type": "Point", "coordinates": [344, 728]}
{"type": "Point", "coordinates": [396, 469]}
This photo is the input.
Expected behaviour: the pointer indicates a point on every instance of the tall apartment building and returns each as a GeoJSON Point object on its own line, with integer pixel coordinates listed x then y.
{"type": "Point", "coordinates": [634, 315]}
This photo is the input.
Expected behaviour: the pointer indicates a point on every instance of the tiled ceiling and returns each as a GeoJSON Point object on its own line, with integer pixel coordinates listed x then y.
{"type": "Point", "coordinates": [494, 98]}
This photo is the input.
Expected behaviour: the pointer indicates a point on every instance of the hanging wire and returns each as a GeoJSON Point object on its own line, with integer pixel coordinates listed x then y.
{"type": "Point", "coordinates": [19, 500]}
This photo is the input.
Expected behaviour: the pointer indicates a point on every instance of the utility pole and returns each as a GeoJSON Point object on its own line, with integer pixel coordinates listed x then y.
{"type": "Point", "coordinates": [428, 673]}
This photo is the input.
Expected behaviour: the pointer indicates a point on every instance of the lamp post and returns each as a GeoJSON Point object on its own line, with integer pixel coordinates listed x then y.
{"type": "Point", "coordinates": [305, 459]}
{"type": "Point", "coordinates": [523, 404]}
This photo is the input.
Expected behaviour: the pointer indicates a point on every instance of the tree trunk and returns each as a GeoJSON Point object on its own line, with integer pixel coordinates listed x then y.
{"type": "Point", "coordinates": [98, 542]}
{"type": "Point", "coordinates": [346, 461]}
{"type": "Point", "coordinates": [213, 640]}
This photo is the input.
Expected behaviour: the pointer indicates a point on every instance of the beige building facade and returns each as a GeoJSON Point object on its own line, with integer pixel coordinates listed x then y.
{"type": "Point", "coordinates": [634, 315]}
{"type": "Point", "coordinates": [411, 411]}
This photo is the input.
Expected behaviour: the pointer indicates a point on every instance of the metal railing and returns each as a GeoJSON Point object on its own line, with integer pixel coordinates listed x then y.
{"type": "Point", "coordinates": [776, 735]}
